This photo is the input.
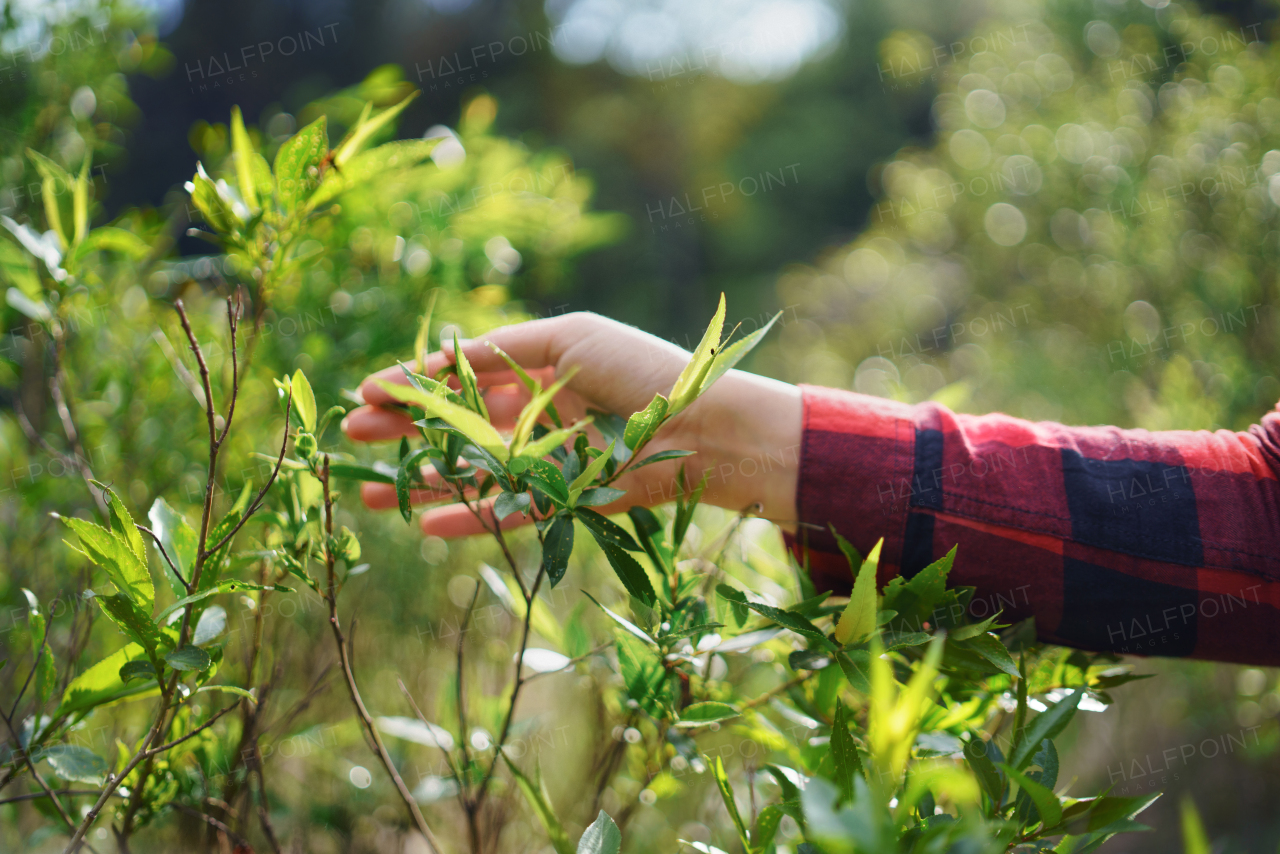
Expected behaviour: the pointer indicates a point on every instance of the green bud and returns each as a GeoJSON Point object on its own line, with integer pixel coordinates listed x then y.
{"type": "Point", "coordinates": [305, 445]}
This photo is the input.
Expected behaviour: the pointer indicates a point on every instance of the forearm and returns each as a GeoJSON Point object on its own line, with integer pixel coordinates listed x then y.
{"type": "Point", "coordinates": [1086, 529]}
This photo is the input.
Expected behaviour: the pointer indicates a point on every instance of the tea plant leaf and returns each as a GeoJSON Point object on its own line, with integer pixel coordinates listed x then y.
{"type": "Point", "coordinates": [791, 620]}
{"type": "Point", "coordinates": [139, 669]}
{"type": "Point", "coordinates": [600, 495]}
{"type": "Point", "coordinates": [734, 353]}
{"type": "Point", "coordinates": [405, 477]}
{"type": "Point", "coordinates": [601, 837]}
{"type": "Point", "coordinates": [297, 164]}
{"type": "Point", "coordinates": [737, 603]}
{"type": "Point", "coordinates": [530, 384]}
{"type": "Point", "coordinates": [113, 239]}
{"type": "Point", "coordinates": [226, 586]}
{"type": "Point", "coordinates": [75, 763]}
{"type": "Point", "coordinates": [856, 666]}
{"type": "Point", "coordinates": [701, 714]}
{"type": "Point", "coordinates": [606, 530]}
{"type": "Point", "coordinates": [468, 381]}
{"type": "Point", "coordinates": [1194, 839]}
{"type": "Point", "coordinates": [626, 624]}
{"type": "Point", "coordinates": [132, 620]}
{"type": "Point", "coordinates": [212, 622]}
{"type": "Point", "coordinates": [766, 827]}
{"type": "Point", "coordinates": [844, 752]}
{"type": "Point", "coordinates": [859, 617]}
{"type": "Point", "coordinates": [588, 475]}
{"type": "Point", "coordinates": [689, 383]}
{"type": "Point", "coordinates": [989, 647]}
{"type": "Point", "coordinates": [557, 545]}
{"type": "Point", "coordinates": [51, 174]}
{"type": "Point", "coordinates": [100, 683]}
{"type": "Point", "coordinates": [539, 448]}
{"type": "Point", "coordinates": [547, 478]}
{"type": "Point", "coordinates": [468, 423]}
{"type": "Point", "coordinates": [367, 166]}
{"type": "Point", "coordinates": [116, 557]}
{"type": "Point", "coordinates": [1047, 805]}
{"type": "Point", "coordinates": [244, 154]}
{"type": "Point", "coordinates": [726, 794]}
{"type": "Point", "coordinates": [80, 200]}
{"type": "Point", "coordinates": [366, 127]}
{"type": "Point", "coordinates": [533, 410]}
{"type": "Point", "coordinates": [179, 541]}
{"type": "Point", "coordinates": [630, 573]}
{"type": "Point", "coordinates": [660, 457]}
{"type": "Point", "coordinates": [511, 502]}
{"type": "Point", "coordinates": [987, 771]}
{"type": "Point", "coordinates": [643, 424]}
{"type": "Point", "coordinates": [228, 689]}
{"type": "Point", "coordinates": [352, 471]}
{"type": "Point", "coordinates": [304, 401]}
{"type": "Point", "coordinates": [1047, 724]}
{"type": "Point", "coordinates": [189, 658]}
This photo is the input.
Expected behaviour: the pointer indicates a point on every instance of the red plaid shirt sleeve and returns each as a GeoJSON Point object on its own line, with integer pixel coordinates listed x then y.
{"type": "Point", "coordinates": [1124, 540]}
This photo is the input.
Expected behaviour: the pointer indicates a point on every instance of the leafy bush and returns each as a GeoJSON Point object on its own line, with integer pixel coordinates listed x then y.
{"type": "Point", "coordinates": [891, 722]}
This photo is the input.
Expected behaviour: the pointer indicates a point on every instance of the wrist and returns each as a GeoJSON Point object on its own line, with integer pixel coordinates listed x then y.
{"type": "Point", "coordinates": [751, 430]}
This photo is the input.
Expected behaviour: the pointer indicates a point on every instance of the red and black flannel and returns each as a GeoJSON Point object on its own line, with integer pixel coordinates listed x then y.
{"type": "Point", "coordinates": [1126, 540]}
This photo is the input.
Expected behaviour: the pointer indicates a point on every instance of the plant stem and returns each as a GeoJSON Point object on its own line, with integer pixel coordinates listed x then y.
{"type": "Point", "coordinates": [344, 657]}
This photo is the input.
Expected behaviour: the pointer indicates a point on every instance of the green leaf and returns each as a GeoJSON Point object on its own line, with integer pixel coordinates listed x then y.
{"type": "Point", "coordinates": [844, 752]}
{"type": "Point", "coordinates": [422, 342]}
{"type": "Point", "coordinates": [353, 471]}
{"type": "Point", "coordinates": [138, 669]}
{"type": "Point", "coordinates": [737, 602]}
{"type": "Point", "coordinates": [189, 658]}
{"type": "Point", "coordinates": [179, 540]}
{"type": "Point", "coordinates": [76, 763]}
{"type": "Point", "coordinates": [406, 476]}
{"type": "Point", "coordinates": [100, 683]}
{"type": "Point", "coordinates": [468, 381]}
{"type": "Point", "coordinates": [112, 239]}
{"type": "Point", "coordinates": [989, 777]}
{"type": "Point", "coordinates": [856, 666]}
{"type": "Point", "coordinates": [588, 475]}
{"type": "Point", "coordinates": [46, 673]}
{"type": "Point", "coordinates": [626, 624]}
{"type": "Point", "coordinates": [722, 781]}
{"type": "Point", "coordinates": [510, 502]}
{"type": "Point", "coordinates": [731, 355]}
{"type": "Point", "coordinates": [601, 837]}
{"type": "Point", "coordinates": [471, 425]}
{"type": "Point", "coordinates": [630, 573]}
{"type": "Point", "coordinates": [605, 530]}
{"type": "Point", "coordinates": [304, 401]}
{"type": "Point", "coordinates": [1047, 724]}
{"type": "Point", "coordinates": [204, 195]}
{"type": "Point", "coordinates": [700, 714]}
{"type": "Point", "coordinates": [535, 792]}
{"type": "Point", "coordinates": [643, 424]}
{"type": "Point", "coordinates": [599, 496]}
{"type": "Point", "coordinates": [366, 128]}
{"type": "Point", "coordinates": [114, 555]}
{"type": "Point", "coordinates": [132, 620]}
{"type": "Point", "coordinates": [544, 475]}
{"type": "Point", "coordinates": [228, 585]}
{"type": "Point", "coordinates": [80, 199]}
{"type": "Point", "coordinates": [660, 457]}
{"type": "Point", "coordinates": [766, 827]}
{"type": "Point", "coordinates": [539, 448]}
{"type": "Point", "coordinates": [989, 647]}
{"type": "Point", "coordinates": [530, 384]}
{"type": "Point", "coordinates": [791, 620]}
{"type": "Point", "coordinates": [18, 268]}
{"type": "Point", "coordinates": [859, 617]}
{"type": "Point", "coordinates": [557, 545]}
{"type": "Point", "coordinates": [244, 154]}
{"type": "Point", "coordinates": [1047, 804]}
{"type": "Point", "coordinates": [50, 175]}
{"type": "Point", "coordinates": [228, 689]}
{"type": "Point", "coordinates": [689, 383]}
{"type": "Point", "coordinates": [297, 164]}
{"type": "Point", "coordinates": [533, 409]}
{"type": "Point", "coordinates": [373, 165]}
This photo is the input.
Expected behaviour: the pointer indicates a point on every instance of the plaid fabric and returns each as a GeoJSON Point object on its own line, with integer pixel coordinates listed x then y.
{"type": "Point", "coordinates": [1124, 540]}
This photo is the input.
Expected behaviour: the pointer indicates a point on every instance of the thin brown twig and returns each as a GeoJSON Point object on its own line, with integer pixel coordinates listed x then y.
{"type": "Point", "coordinates": [162, 748]}
{"type": "Point", "coordinates": [340, 641]}
{"type": "Point", "coordinates": [164, 554]}
{"type": "Point", "coordinates": [257, 501]}
{"type": "Point", "coordinates": [212, 822]}
{"type": "Point", "coordinates": [35, 796]}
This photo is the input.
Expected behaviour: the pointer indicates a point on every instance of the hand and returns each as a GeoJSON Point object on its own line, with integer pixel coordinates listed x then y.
{"type": "Point", "coordinates": [744, 430]}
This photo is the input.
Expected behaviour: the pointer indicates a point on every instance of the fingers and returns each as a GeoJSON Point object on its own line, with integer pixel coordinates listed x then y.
{"type": "Point", "coordinates": [382, 496]}
{"type": "Point", "coordinates": [375, 424]}
{"type": "Point", "coordinates": [455, 520]}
